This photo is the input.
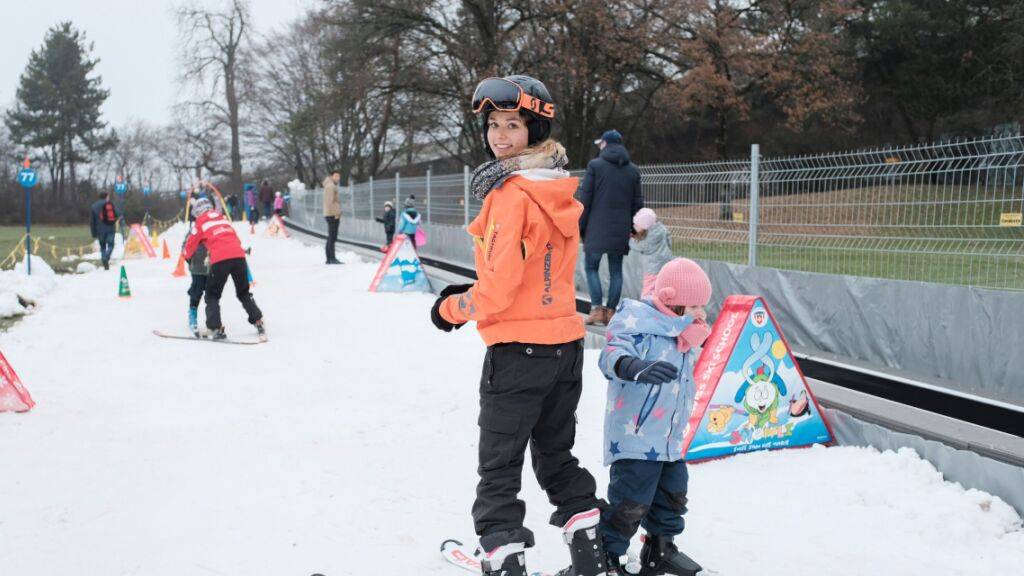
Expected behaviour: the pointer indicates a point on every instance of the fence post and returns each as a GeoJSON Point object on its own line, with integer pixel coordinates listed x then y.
{"type": "Point", "coordinates": [398, 191]}
{"type": "Point", "coordinates": [352, 196]}
{"type": "Point", "coordinates": [429, 170]}
{"type": "Point", "coordinates": [371, 195]}
{"type": "Point", "coordinates": [465, 195]}
{"type": "Point", "coordinates": [755, 161]}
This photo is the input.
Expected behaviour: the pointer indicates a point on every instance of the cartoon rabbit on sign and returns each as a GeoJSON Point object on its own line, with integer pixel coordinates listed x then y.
{"type": "Point", "coordinates": [761, 391]}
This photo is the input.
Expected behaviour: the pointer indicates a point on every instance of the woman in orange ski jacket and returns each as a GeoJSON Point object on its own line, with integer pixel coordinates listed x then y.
{"type": "Point", "coordinates": [524, 303]}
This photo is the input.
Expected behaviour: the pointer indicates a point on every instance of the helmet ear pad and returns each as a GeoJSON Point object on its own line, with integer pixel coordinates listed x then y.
{"type": "Point", "coordinates": [539, 129]}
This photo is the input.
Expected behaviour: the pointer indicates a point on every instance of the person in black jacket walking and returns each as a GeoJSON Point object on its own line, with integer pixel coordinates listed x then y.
{"type": "Point", "coordinates": [103, 225]}
{"type": "Point", "coordinates": [611, 195]}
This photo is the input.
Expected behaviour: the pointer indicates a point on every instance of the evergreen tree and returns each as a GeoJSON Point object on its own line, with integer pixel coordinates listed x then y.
{"type": "Point", "coordinates": [58, 105]}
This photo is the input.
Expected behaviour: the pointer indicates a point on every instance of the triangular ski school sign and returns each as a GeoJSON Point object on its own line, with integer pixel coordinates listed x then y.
{"type": "Point", "coordinates": [401, 270]}
{"type": "Point", "coordinates": [14, 396]}
{"type": "Point", "coordinates": [750, 393]}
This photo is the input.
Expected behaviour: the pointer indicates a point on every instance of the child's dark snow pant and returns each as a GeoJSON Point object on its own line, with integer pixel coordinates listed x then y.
{"type": "Point", "coordinates": [528, 395]}
{"type": "Point", "coordinates": [196, 289]}
{"type": "Point", "coordinates": [219, 272]}
{"type": "Point", "coordinates": [647, 493]}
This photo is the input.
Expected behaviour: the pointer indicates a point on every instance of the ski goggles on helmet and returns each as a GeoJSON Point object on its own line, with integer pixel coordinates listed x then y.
{"type": "Point", "coordinates": [507, 96]}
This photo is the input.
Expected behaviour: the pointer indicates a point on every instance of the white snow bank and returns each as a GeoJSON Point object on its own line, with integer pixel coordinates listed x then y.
{"type": "Point", "coordinates": [84, 267]}
{"type": "Point", "coordinates": [347, 445]}
{"type": "Point", "coordinates": [17, 282]}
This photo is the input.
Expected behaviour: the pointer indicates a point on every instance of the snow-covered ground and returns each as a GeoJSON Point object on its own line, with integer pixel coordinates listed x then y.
{"type": "Point", "coordinates": [347, 446]}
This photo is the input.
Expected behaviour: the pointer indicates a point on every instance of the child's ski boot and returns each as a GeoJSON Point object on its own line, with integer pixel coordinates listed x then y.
{"type": "Point", "coordinates": [660, 556]}
{"type": "Point", "coordinates": [261, 330]}
{"type": "Point", "coordinates": [506, 560]}
{"type": "Point", "coordinates": [586, 549]}
{"type": "Point", "coordinates": [218, 334]}
{"type": "Point", "coordinates": [193, 321]}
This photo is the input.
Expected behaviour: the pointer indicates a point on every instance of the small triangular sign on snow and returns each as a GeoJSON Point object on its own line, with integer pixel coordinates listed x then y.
{"type": "Point", "coordinates": [13, 394]}
{"type": "Point", "coordinates": [401, 270]}
{"type": "Point", "coordinates": [750, 392]}
{"type": "Point", "coordinates": [123, 290]}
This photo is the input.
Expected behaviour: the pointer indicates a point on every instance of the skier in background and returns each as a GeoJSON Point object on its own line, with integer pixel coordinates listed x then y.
{"type": "Point", "coordinates": [227, 258]}
{"type": "Point", "coordinates": [409, 221]}
{"type": "Point", "coordinates": [388, 220]}
{"type": "Point", "coordinates": [278, 204]}
{"type": "Point", "coordinates": [199, 269]}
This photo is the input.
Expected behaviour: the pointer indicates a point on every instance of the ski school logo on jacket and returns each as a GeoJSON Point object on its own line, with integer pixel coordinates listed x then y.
{"type": "Point", "coordinates": [492, 239]}
{"type": "Point", "coordinates": [547, 299]}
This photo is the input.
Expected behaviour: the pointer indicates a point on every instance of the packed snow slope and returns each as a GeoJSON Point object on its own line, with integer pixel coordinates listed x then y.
{"type": "Point", "coordinates": [347, 446]}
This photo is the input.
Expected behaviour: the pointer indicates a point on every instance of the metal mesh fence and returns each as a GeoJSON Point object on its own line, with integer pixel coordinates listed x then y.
{"type": "Point", "coordinates": [947, 212]}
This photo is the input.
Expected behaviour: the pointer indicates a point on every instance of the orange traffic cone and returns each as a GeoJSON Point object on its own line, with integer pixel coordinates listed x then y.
{"type": "Point", "coordinates": [180, 269]}
{"type": "Point", "coordinates": [167, 251]}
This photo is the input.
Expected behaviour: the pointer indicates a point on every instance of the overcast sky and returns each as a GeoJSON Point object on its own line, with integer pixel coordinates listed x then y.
{"type": "Point", "coordinates": [135, 41]}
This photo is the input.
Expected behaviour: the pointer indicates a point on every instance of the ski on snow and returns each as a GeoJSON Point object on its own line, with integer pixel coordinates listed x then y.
{"type": "Point", "coordinates": [205, 337]}
{"type": "Point", "coordinates": [466, 557]}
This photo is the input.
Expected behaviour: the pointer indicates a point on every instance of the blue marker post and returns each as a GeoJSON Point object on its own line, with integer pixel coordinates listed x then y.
{"type": "Point", "coordinates": [120, 187]}
{"type": "Point", "coordinates": [28, 178]}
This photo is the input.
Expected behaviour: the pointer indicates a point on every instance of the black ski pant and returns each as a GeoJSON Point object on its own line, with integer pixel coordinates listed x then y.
{"type": "Point", "coordinates": [332, 236]}
{"type": "Point", "coordinates": [196, 289]}
{"type": "Point", "coordinates": [528, 395]}
{"type": "Point", "coordinates": [219, 272]}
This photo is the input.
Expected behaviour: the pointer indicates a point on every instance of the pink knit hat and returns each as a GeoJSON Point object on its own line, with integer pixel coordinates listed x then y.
{"type": "Point", "coordinates": [644, 219]}
{"type": "Point", "coordinates": [681, 282]}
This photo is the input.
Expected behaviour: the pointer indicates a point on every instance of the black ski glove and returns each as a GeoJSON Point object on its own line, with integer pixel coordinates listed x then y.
{"type": "Point", "coordinates": [435, 312]}
{"type": "Point", "coordinates": [636, 370]}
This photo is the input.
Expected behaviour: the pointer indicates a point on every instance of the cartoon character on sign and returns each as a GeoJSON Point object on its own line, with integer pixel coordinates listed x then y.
{"type": "Point", "coordinates": [763, 388]}
{"type": "Point", "coordinates": [719, 418]}
{"type": "Point", "coordinates": [798, 405]}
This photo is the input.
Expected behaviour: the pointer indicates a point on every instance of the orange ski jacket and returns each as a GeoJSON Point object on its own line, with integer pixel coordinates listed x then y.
{"type": "Point", "coordinates": [526, 244]}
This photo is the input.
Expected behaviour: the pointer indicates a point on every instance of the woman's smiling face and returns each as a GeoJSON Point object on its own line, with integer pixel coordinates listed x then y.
{"type": "Point", "coordinates": [507, 134]}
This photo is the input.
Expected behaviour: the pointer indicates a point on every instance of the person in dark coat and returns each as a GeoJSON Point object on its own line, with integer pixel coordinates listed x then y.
{"type": "Point", "coordinates": [267, 198]}
{"type": "Point", "coordinates": [611, 195]}
{"type": "Point", "coordinates": [103, 226]}
{"type": "Point", "coordinates": [388, 220]}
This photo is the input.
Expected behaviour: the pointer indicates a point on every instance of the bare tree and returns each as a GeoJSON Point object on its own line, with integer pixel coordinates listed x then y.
{"type": "Point", "coordinates": [213, 58]}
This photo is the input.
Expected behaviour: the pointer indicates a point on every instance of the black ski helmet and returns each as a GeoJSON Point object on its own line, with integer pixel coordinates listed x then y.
{"type": "Point", "coordinates": [538, 126]}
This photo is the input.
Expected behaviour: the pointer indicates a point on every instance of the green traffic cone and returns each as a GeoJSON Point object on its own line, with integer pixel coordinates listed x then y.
{"type": "Point", "coordinates": [123, 290]}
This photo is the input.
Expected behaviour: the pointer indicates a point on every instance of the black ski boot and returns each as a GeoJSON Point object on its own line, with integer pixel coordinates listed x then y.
{"type": "Point", "coordinates": [660, 556]}
{"type": "Point", "coordinates": [586, 549]}
{"type": "Point", "coordinates": [507, 560]}
{"type": "Point", "coordinates": [219, 334]}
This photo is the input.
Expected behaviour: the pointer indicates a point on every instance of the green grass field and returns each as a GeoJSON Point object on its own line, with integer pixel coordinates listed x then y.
{"type": "Point", "coordinates": [63, 237]}
{"type": "Point", "coordinates": [933, 263]}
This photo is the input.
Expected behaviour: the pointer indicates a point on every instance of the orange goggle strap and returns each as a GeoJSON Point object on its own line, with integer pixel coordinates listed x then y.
{"type": "Point", "coordinates": [526, 101]}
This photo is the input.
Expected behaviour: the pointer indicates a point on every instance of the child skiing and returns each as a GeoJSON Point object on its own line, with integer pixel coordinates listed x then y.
{"type": "Point", "coordinates": [409, 221]}
{"type": "Point", "coordinates": [199, 268]}
{"type": "Point", "coordinates": [649, 365]}
{"type": "Point", "coordinates": [227, 258]}
{"type": "Point", "coordinates": [388, 220]}
{"type": "Point", "coordinates": [654, 243]}
{"type": "Point", "coordinates": [524, 303]}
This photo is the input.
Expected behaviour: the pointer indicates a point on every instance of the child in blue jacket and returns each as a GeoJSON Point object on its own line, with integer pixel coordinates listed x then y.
{"type": "Point", "coordinates": [649, 365]}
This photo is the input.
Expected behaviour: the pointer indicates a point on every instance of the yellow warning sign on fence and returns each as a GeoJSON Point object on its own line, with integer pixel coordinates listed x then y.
{"type": "Point", "coordinates": [1010, 219]}
{"type": "Point", "coordinates": [737, 216]}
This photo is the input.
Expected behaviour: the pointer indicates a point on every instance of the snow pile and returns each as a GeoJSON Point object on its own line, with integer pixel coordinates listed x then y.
{"type": "Point", "coordinates": [347, 445]}
{"type": "Point", "coordinates": [17, 288]}
{"type": "Point", "coordinates": [84, 267]}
